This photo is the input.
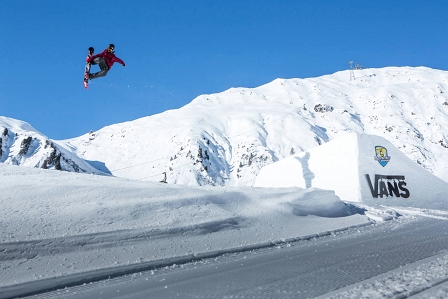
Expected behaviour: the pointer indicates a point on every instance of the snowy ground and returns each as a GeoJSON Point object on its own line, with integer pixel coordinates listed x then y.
{"type": "Point", "coordinates": [56, 224]}
{"type": "Point", "coordinates": [61, 229]}
{"type": "Point", "coordinates": [393, 259]}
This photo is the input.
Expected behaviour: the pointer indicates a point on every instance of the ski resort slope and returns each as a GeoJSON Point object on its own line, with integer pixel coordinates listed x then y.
{"type": "Point", "coordinates": [224, 139]}
{"type": "Point", "coordinates": [62, 228]}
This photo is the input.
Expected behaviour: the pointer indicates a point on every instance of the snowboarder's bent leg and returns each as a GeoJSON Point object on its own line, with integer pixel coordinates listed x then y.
{"type": "Point", "coordinates": [103, 66]}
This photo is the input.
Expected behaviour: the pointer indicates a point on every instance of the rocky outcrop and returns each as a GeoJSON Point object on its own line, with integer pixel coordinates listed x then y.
{"type": "Point", "coordinates": [21, 145]}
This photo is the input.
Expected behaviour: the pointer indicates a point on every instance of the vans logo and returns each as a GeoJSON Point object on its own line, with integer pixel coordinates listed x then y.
{"type": "Point", "coordinates": [388, 185]}
{"type": "Point", "coordinates": [381, 155]}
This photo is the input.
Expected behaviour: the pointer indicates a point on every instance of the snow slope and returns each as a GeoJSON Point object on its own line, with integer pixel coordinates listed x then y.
{"type": "Point", "coordinates": [21, 144]}
{"type": "Point", "coordinates": [226, 138]}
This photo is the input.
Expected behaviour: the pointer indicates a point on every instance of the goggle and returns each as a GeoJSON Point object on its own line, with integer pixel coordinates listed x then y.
{"type": "Point", "coordinates": [110, 49]}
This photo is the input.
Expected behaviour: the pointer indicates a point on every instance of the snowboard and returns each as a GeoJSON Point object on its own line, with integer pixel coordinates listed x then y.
{"type": "Point", "coordinates": [87, 68]}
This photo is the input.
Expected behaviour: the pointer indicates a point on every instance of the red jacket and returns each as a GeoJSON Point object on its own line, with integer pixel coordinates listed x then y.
{"type": "Point", "coordinates": [110, 58]}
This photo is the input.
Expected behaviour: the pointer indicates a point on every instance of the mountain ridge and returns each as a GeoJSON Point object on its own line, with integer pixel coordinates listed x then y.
{"type": "Point", "coordinates": [226, 138]}
{"type": "Point", "coordinates": [21, 144]}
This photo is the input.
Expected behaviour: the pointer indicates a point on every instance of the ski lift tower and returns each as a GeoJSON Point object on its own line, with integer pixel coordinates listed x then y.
{"type": "Point", "coordinates": [352, 73]}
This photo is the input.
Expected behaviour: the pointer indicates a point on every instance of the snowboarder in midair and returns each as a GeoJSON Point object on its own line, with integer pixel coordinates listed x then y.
{"type": "Point", "coordinates": [104, 60]}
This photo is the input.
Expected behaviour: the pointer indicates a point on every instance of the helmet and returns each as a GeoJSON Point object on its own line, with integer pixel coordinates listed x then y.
{"type": "Point", "coordinates": [111, 48]}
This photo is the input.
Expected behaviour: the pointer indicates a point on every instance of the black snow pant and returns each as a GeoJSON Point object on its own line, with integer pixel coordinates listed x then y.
{"type": "Point", "coordinates": [103, 66]}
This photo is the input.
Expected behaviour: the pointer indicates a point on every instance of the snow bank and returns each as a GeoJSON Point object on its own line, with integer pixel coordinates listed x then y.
{"type": "Point", "coordinates": [58, 223]}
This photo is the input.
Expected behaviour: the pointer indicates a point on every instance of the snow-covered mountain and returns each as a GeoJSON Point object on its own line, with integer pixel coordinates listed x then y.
{"type": "Point", "coordinates": [226, 138]}
{"type": "Point", "coordinates": [21, 144]}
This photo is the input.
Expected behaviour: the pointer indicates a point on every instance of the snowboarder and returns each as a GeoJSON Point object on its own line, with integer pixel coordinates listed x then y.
{"type": "Point", "coordinates": [104, 60]}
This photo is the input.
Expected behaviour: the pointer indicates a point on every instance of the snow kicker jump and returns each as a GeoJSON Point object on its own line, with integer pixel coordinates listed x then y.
{"type": "Point", "coordinates": [360, 168]}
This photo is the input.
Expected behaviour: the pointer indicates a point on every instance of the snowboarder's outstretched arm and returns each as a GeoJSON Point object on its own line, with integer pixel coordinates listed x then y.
{"type": "Point", "coordinates": [116, 59]}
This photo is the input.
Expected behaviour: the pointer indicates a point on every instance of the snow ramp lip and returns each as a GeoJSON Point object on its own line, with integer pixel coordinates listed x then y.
{"type": "Point", "coordinates": [61, 282]}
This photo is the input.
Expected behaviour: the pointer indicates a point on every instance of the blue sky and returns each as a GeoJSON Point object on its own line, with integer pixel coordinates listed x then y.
{"type": "Point", "coordinates": [177, 50]}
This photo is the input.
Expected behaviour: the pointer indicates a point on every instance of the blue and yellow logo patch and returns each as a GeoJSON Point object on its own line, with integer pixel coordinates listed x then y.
{"type": "Point", "coordinates": [381, 155]}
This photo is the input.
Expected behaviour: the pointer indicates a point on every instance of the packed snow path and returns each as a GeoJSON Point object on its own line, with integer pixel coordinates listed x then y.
{"type": "Point", "coordinates": [402, 257]}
